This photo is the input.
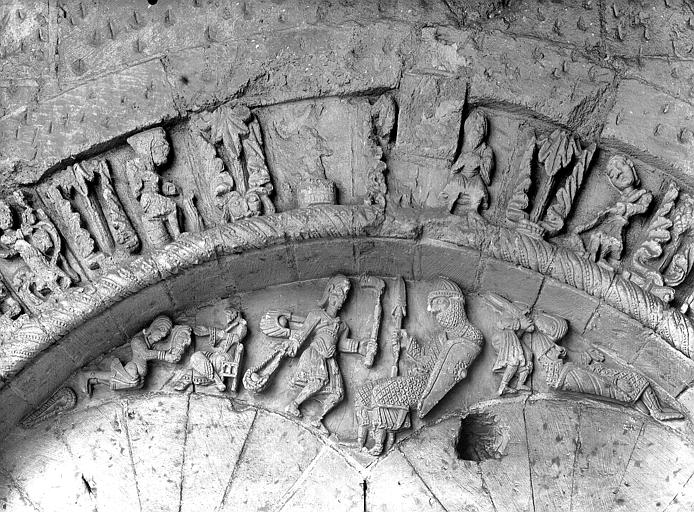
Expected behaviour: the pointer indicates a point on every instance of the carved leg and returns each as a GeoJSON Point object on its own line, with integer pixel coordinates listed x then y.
{"type": "Point", "coordinates": [310, 389]}
{"type": "Point", "coordinates": [362, 433]}
{"type": "Point", "coordinates": [650, 399]}
{"type": "Point", "coordinates": [89, 378]}
{"type": "Point", "coordinates": [219, 382]}
{"type": "Point", "coordinates": [523, 374]}
{"type": "Point", "coordinates": [379, 437]}
{"type": "Point", "coordinates": [509, 372]}
{"type": "Point", "coordinates": [172, 221]}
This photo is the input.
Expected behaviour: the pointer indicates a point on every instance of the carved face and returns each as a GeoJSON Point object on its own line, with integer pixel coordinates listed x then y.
{"type": "Point", "coordinates": [231, 315]}
{"type": "Point", "coordinates": [449, 311]}
{"type": "Point", "coordinates": [475, 128]}
{"type": "Point", "coordinates": [338, 295]}
{"type": "Point", "coordinates": [621, 172]}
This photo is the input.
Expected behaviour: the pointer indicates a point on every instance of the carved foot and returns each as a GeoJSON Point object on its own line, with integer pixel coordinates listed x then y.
{"type": "Point", "coordinates": [505, 390]}
{"type": "Point", "coordinates": [293, 410]}
{"type": "Point", "coordinates": [376, 450]}
{"type": "Point", "coordinates": [181, 386]}
{"type": "Point", "coordinates": [318, 424]}
{"type": "Point", "coordinates": [667, 415]}
{"type": "Point", "coordinates": [523, 387]}
{"type": "Point", "coordinates": [85, 383]}
{"type": "Point", "coordinates": [221, 387]}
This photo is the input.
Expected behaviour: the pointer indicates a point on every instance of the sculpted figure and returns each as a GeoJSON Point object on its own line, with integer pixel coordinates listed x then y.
{"type": "Point", "coordinates": [466, 190]}
{"type": "Point", "coordinates": [384, 405]}
{"type": "Point", "coordinates": [144, 348]}
{"type": "Point", "coordinates": [212, 367]}
{"type": "Point", "coordinates": [513, 357]}
{"type": "Point", "coordinates": [39, 245]}
{"type": "Point", "coordinates": [10, 309]}
{"type": "Point", "coordinates": [160, 213]}
{"type": "Point", "coordinates": [318, 375]}
{"type": "Point", "coordinates": [606, 230]}
{"type": "Point", "coordinates": [591, 377]}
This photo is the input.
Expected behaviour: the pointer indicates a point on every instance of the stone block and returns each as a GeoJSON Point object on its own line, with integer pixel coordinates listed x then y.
{"type": "Point", "coordinates": [266, 472]}
{"type": "Point", "coordinates": [257, 269]}
{"type": "Point", "coordinates": [137, 311]}
{"type": "Point", "coordinates": [387, 257]}
{"type": "Point", "coordinates": [574, 305]}
{"type": "Point", "coordinates": [324, 258]}
{"type": "Point", "coordinates": [197, 285]}
{"type": "Point", "coordinates": [93, 338]}
{"type": "Point", "coordinates": [456, 483]}
{"type": "Point", "coordinates": [98, 441]}
{"type": "Point", "coordinates": [616, 333]}
{"type": "Point", "coordinates": [47, 133]}
{"type": "Point", "coordinates": [157, 433]}
{"type": "Point", "coordinates": [394, 485]}
{"type": "Point", "coordinates": [429, 120]}
{"type": "Point", "coordinates": [457, 263]}
{"type": "Point", "coordinates": [42, 377]}
{"type": "Point", "coordinates": [665, 365]}
{"type": "Point", "coordinates": [216, 435]}
{"type": "Point", "coordinates": [510, 281]}
{"type": "Point", "coordinates": [654, 124]}
{"type": "Point", "coordinates": [12, 409]}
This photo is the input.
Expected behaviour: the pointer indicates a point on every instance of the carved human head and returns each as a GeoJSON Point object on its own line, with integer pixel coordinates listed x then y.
{"type": "Point", "coordinates": [6, 220]}
{"type": "Point", "coordinates": [231, 314]}
{"type": "Point", "coordinates": [621, 173]}
{"type": "Point", "coordinates": [446, 303]}
{"type": "Point", "coordinates": [151, 145]}
{"type": "Point", "coordinates": [554, 327]}
{"type": "Point", "coordinates": [159, 328]}
{"type": "Point", "coordinates": [336, 292]}
{"type": "Point", "coordinates": [254, 204]}
{"type": "Point", "coordinates": [475, 129]}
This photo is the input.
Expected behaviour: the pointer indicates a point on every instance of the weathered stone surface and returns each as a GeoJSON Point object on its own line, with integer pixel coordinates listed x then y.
{"type": "Point", "coordinates": [659, 467]}
{"type": "Point", "coordinates": [552, 452]}
{"type": "Point", "coordinates": [395, 485]}
{"type": "Point", "coordinates": [212, 450]}
{"type": "Point", "coordinates": [606, 441]}
{"type": "Point", "coordinates": [512, 282]}
{"type": "Point", "coordinates": [576, 307]}
{"type": "Point", "coordinates": [429, 121]}
{"type": "Point", "coordinates": [262, 477]}
{"type": "Point", "coordinates": [664, 365]}
{"type": "Point", "coordinates": [157, 433]}
{"type": "Point", "coordinates": [319, 489]}
{"type": "Point", "coordinates": [98, 440]}
{"type": "Point", "coordinates": [53, 130]}
{"type": "Point", "coordinates": [611, 331]}
{"type": "Point", "coordinates": [46, 373]}
{"type": "Point", "coordinates": [457, 484]}
{"type": "Point", "coordinates": [653, 123]}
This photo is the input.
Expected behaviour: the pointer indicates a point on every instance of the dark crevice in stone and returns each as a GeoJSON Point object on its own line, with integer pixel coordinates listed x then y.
{"type": "Point", "coordinates": [91, 489]}
{"type": "Point", "coordinates": [480, 438]}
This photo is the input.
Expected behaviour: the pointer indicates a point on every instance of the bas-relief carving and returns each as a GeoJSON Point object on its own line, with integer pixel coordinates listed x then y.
{"type": "Point", "coordinates": [148, 345]}
{"type": "Point", "coordinates": [63, 400]}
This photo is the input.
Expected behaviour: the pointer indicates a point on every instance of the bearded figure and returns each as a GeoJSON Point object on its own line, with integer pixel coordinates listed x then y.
{"type": "Point", "coordinates": [384, 405]}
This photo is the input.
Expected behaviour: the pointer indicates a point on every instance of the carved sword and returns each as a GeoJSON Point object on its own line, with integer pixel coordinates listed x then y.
{"type": "Point", "coordinates": [399, 312]}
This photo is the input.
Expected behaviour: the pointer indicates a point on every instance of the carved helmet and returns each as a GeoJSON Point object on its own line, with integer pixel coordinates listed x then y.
{"type": "Point", "coordinates": [445, 288]}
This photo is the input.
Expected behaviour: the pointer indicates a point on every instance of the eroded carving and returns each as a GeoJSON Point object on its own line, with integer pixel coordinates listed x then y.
{"type": "Point", "coordinates": [222, 361]}
{"type": "Point", "coordinates": [383, 405]}
{"type": "Point", "coordinates": [159, 211]}
{"type": "Point", "coordinates": [603, 236]}
{"type": "Point", "coordinates": [471, 173]}
{"type": "Point", "coordinates": [146, 346]}
{"type": "Point", "coordinates": [514, 358]}
{"type": "Point", "coordinates": [591, 376]}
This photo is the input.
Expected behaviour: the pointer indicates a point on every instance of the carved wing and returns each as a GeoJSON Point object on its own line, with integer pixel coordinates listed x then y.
{"type": "Point", "coordinates": [450, 368]}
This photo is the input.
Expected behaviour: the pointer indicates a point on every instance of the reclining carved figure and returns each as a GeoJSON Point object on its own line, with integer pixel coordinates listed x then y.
{"type": "Point", "coordinates": [384, 405]}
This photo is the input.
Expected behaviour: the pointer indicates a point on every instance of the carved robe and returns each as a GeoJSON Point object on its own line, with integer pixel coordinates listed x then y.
{"type": "Point", "coordinates": [466, 190]}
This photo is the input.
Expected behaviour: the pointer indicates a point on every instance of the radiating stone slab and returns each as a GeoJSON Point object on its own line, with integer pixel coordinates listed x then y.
{"type": "Point", "coordinates": [456, 483]}
{"type": "Point", "coordinates": [660, 465]}
{"type": "Point", "coordinates": [607, 440]}
{"type": "Point", "coordinates": [394, 485]}
{"type": "Point", "coordinates": [157, 430]}
{"type": "Point", "coordinates": [97, 439]}
{"type": "Point", "coordinates": [552, 435]}
{"type": "Point", "coordinates": [216, 435]}
{"type": "Point", "coordinates": [276, 454]}
{"type": "Point", "coordinates": [331, 484]}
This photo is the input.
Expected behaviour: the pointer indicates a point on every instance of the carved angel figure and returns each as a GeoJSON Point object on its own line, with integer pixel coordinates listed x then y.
{"type": "Point", "coordinates": [212, 367]}
{"type": "Point", "coordinates": [513, 357]}
{"type": "Point", "coordinates": [144, 349]}
{"type": "Point", "coordinates": [591, 376]}
{"type": "Point", "coordinates": [160, 213]}
{"type": "Point", "coordinates": [606, 230]}
{"type": "Point", "coordinates": [384, 405]}
{"type": "Point", "coordinates": [466, 190]}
